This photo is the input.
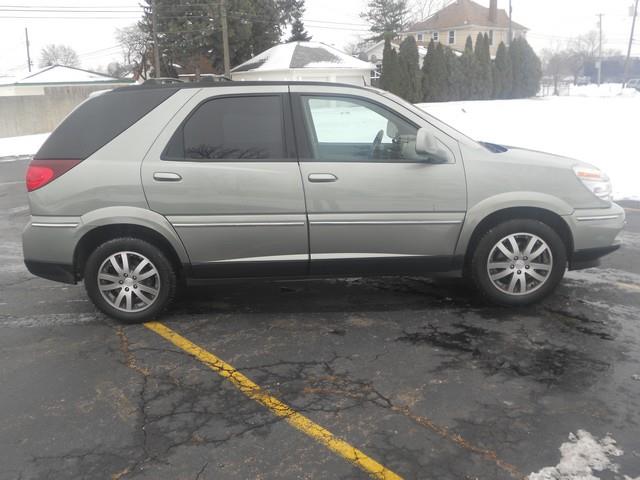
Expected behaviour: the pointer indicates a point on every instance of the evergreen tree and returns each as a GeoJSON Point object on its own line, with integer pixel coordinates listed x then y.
{"type": "Point", "coordinates": [436, 74]}
{"type": "Point", "coordinates": [409, 62]}
{"type": "Point", "coordinates": [386, 17]}
{"type": "Point", "coordinates": [190, 30]}
{"type": "Point", "coordinates": [482, 54]}
{"type": "Point", "coordinates": [390, 77]}
{"type": "Point", "coordinates": [526, 68]}
{"type": "Point", "coordinates": [298, 33]}
{"type": "Point", "coordinates": [469, 90]}
{"type": "Point", "coordinates": [454, 75]}
{"type": "Point", "coordinates": [533, 71]}
{"type": "Point", "coordinates": [427, 67]}
{"type": "Point", "coordinates": [503, 73]}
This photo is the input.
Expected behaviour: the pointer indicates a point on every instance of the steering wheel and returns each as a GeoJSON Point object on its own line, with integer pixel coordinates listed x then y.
{"type": "Point", "coordinates": [376, 142]}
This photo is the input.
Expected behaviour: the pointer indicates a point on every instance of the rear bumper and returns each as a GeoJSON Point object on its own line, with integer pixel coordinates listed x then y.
{"type": "Point", "coordinates": [52, 271]}
{"type": "Point", "coordinates": [48, 245]}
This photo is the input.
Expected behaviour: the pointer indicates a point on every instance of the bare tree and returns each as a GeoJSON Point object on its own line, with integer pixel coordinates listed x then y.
{"type": "Point", "coordinates": [135, 49]}
{"type": "Point", "coordinates": [423, 9]}
{"type": "Point", "coordinates": [58, 55]}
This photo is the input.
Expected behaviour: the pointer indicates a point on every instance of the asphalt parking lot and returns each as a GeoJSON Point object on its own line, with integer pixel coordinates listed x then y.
{"type": "Point", "coordinates": [416, 374]}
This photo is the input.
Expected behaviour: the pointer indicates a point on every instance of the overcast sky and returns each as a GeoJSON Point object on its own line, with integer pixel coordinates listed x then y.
{"type": "Point", "coordinates": [336, 22]}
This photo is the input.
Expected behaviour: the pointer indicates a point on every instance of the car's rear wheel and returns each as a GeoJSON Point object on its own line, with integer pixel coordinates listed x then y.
{"type": "Point", "coordinates": [129, 279]}
{"type": "Point", "coordinates": [519, 262]}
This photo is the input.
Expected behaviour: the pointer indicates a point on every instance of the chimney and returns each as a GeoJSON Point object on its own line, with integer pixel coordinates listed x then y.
{"type": "Point", "coordinates": [493, 11]}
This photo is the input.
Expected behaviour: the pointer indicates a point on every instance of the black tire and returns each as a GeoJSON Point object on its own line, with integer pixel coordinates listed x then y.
{"type": "Point", "coordinates": [480, 273]}
{"type": "Point", "coordinates": [166, 274]}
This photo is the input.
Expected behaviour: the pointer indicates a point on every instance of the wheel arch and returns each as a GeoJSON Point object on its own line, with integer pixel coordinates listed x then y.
{"type": "Point", "coordinates": [547, 216]}
{"type": "Point", "coordinates": [106, 224]}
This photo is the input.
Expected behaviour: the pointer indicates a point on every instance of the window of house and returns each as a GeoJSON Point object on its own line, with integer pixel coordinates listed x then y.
{"type": "Point", "coordinates": [452, 37]}
{"type": "Point", "coordinates": [435, 36]}
{"type": "Point", "coordinates": [231, 128]}
{"type": "Point", "coordinates": [342, 129]}
{"type": "Point", "coordinates": [490, 37]}
{"type": "Point", "coordinates": [420, 37]}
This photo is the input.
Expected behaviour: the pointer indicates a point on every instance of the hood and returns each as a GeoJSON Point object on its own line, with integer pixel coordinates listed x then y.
{"type": "Point", "coordinates": [533, 157]}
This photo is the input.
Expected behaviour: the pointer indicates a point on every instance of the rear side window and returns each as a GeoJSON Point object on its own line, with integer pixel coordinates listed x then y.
{"type": "Point", "coordinates": [98, 121]}
{"type": "Point", "coordinates": [231, 128]}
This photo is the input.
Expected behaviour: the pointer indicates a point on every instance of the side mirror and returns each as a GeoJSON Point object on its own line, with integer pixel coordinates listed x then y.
{"type": "Point", "coordinates": [428, 144]}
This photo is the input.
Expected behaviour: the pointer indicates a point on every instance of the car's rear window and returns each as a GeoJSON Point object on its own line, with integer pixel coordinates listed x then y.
{"type": "Point", "coordinates": [99, 120]}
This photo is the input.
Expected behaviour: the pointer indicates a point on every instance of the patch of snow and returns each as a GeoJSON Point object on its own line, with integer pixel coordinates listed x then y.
{"type": "Point", "coordinates": [279, 58]}
{"type": "Point", "coordinates": [21, 146]}
{"type": "Point", "coordinates": [598, 130]}
{"type": "Point", "coordinates": [580, 457]}
{"type": "Point", "coordinates": [604, 90]}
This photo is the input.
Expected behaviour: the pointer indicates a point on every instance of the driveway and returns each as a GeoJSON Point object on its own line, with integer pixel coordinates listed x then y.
{"type": "Point", "coordinates": [353, 378]}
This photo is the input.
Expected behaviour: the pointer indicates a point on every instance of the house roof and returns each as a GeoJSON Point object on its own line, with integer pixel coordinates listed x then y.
{"type": "Point", "coordinates": [461, 13]}
{"type": "Point", "coordinates": [422, 51]}
{"type": "Point", "coordinates": [301, 55]}
{"type": "Point", "coordinates": [60, 74]}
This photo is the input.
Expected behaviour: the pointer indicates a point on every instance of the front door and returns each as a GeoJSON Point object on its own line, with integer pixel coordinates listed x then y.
{"type": "Point", "coordinates": [374, 204]}
{"type": "Point", "coordinates": [225, 174]}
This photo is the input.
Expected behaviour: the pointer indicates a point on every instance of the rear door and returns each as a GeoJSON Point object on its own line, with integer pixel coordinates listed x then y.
{"type": "Point", "coordinates": [374, 204]}
{"type": "Point", "coordinates": [224, 172]}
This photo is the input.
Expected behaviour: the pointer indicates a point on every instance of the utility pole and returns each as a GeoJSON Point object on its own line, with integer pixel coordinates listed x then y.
{"type": "Point", "coordinates": [627, 61]}
{"type": "Point", "coordinates": [510, 23]}
{"type": "Point", "coordinates": [225, 39]}
{"type": "Point", "coordinates": [600, 15]}
{"type": "Point", "coordinates": [26, 37]}
{"type": "Point", "coordinates": [154, 32]}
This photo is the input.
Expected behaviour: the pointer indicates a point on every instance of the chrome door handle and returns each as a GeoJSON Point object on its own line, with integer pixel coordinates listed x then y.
{"type": "Point", "coordinates": [166, 177]}
{"type": "Point", "coordinates": [322, 177]}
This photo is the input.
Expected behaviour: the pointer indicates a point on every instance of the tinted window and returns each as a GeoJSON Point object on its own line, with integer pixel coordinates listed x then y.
{"type": "Point", "coordinates": [345, 129]}
{"type": "Point", "coordinates": [99, 120]}
{"type": "Point", "coordinates": [232, 128]}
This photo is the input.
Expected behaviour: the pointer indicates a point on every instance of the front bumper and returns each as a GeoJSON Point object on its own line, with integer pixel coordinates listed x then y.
{"type": "Point", "coordinates": [594, 234]}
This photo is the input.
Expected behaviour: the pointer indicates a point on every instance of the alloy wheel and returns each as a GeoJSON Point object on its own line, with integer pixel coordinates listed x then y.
{"type": "Point", "coordinates": [520, 264]}
{"type": "Point", "coordinates": [128, 281]}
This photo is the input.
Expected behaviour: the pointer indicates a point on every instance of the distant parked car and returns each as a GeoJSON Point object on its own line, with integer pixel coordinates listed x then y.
{"type": "Point", "coordinates": [141, 187]}
{"type": "Point", "coordinates": [583, 81]}
{"type": "Point", "coordinates": [634, 83]}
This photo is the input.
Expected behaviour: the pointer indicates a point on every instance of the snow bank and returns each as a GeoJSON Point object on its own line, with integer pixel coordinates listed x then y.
{"type": "Point", "coordinates": [581, 456]}
{"type": "Point", "coordinates": [604, 90]}
{"type": "Point", "coordinates": [602, 131]}
{"type": "Point", "coordinates": [19, 146]}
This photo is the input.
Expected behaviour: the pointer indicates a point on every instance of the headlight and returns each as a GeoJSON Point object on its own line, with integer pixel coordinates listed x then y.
{"type": "Point", "coordinates": [596, 181]}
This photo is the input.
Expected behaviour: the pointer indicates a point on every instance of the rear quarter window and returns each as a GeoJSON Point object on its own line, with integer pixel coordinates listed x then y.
{"type": "Point", "coordinates": [99, 120]}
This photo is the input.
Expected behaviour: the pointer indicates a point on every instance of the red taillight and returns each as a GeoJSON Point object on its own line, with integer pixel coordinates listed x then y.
{"type": "Point", "coordinates": [41, 172]}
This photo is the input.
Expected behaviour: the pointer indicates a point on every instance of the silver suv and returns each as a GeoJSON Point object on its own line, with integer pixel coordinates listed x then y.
{"type": "Point", "coordinates": [144, 187]}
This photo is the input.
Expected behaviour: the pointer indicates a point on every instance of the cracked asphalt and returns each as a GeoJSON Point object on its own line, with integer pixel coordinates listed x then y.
{"type": "Point", "coordinates": [415, 372]}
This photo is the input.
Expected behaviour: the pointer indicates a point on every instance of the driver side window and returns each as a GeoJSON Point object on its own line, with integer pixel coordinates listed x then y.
{"type": "Point", "coordinates": [354, 130]}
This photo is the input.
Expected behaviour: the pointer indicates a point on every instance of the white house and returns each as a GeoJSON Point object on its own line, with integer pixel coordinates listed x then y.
{"type": "Point", "coordinates": [34, 83]}
{"type": "Point", "coordinates": [305, 61]}
{"type": "Point", "coordinates": [374, 52]}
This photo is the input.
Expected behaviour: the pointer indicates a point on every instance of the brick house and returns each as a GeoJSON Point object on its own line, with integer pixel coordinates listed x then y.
{"type": "Point", "coordinates": [453, 24]}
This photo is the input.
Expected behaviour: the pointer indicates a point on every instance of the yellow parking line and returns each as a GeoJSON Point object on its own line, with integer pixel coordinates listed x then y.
{"type": "Point", "coordinates": [295, 419]}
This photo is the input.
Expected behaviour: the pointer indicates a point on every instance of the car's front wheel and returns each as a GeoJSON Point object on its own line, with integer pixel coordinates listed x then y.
{"type": "Point", "coordinates": [519, 262]}
{"type": "Point", "coordinates": [129, 279]}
